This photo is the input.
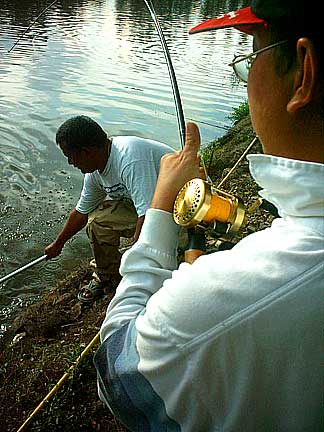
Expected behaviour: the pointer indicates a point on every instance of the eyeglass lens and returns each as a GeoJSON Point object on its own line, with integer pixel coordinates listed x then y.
{"type": "Point", "coordinates": [242, 69]}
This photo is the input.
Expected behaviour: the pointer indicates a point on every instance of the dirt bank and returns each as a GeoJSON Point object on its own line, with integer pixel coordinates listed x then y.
{"type": "Point", "coordinates": [53, 332]}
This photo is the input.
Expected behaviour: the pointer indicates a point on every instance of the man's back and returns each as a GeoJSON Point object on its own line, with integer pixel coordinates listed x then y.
{"type": "Point", "coordinates": [237, 334]}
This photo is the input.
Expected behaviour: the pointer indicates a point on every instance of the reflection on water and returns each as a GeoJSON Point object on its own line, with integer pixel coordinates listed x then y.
{"type": "Point", "coordinates": [102, 59]}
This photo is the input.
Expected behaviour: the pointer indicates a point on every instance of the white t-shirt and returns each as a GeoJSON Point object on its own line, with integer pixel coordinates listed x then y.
{"type": "Point", "coordinates": [131, 173]}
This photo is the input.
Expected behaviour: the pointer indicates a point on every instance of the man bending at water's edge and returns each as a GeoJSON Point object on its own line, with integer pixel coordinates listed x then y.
{"type": "Point", "coordinates": [120, 174]}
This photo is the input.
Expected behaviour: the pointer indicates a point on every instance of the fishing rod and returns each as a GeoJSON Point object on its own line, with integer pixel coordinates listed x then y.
{"type": "Point", "coordinates": [175, 88]}
{"type": "Point", "coordinates": [199, 205]}
{"type": "Point", "coordinates": [21, 269]}
{"type": "Point", "coordinates": [196, 240]}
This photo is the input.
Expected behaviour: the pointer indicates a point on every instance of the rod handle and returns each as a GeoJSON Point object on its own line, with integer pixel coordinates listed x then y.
{"type": "Point", "coordinates": [191, 255]}
{"type": "Point", "coordinates": [196, 245]}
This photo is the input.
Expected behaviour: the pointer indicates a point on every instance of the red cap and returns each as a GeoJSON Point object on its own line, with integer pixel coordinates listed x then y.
{"type": "Point", "coordinates": [242, 19]}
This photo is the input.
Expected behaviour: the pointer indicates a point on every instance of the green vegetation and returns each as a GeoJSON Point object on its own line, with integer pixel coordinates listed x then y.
{"type": "Point", "coordinates": [221, 154]}
{"type": "Point", "coordinates": [239, 113]}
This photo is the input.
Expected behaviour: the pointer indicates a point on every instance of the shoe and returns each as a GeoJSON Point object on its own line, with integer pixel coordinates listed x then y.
{"type": "Point", "coordinates": [93, 264]}
{"type": "Point", "coordinates": [91, 292]}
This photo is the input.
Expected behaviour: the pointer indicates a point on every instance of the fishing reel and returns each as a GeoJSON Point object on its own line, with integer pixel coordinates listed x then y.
{"type": "Point", "coordinates": [199, 203]}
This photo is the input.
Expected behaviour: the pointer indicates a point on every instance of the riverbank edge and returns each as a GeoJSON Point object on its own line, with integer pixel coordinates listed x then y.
{"type": "Point", "coordinates": [47, 337]}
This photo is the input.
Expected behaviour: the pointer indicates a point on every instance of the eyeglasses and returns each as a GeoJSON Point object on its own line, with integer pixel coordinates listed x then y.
{"type": "Point", "coordinates": [242, 64]}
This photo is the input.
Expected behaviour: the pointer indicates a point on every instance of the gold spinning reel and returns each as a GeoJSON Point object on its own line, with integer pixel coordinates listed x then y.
{"type": "Point", "coordinates": [200, 203]}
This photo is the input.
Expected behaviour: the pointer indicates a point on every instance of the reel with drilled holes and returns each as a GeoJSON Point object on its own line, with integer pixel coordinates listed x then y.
{"type": "Point", "coordinates": [199, 202]}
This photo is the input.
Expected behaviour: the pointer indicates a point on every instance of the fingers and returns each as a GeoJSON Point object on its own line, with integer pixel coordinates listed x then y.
{"type": "Point", "coordinates": [50, 254]}
{"type": "Point", "coordinates": [52, 251]}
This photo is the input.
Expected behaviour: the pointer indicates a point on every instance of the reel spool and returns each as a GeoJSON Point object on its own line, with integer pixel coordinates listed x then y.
{"type": "Point", "coordinates": [198, 202]}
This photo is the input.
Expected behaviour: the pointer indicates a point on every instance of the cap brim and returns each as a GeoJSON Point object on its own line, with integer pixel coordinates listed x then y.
{"type": "Point", "coordinates": [242, 19]}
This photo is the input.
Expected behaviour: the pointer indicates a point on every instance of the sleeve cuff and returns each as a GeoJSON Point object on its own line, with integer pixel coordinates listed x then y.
{"type": "Point", "coordinates": [159, 230]}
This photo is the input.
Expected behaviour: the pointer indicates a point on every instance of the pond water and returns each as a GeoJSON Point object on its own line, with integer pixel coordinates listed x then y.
{"type": "Point", "coordinates": [102, 59]}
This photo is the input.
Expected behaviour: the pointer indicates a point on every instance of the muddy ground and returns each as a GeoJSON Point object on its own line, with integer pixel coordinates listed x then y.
{"type": "Point", "coordinates": [49, 335]}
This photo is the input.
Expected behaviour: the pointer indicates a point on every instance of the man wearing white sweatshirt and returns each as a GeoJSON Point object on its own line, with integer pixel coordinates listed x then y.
{"type": "Point", "coordinates": [233, 342]}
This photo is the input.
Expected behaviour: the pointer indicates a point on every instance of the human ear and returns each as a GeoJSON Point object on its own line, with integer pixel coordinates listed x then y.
{"type": "Point", "coordinates": [305, 75]}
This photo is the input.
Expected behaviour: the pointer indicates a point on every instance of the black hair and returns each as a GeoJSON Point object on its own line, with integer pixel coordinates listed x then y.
{"type": "Point", "coordinates": [290, 20]}
{"type": "Point", "coordinates": [79, 132]}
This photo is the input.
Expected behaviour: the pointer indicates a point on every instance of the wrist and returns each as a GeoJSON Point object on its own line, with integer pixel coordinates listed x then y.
{"type": "Point", "coordinates": [59, 242]}
{"type": "Point", "coordinates": [163, 202]}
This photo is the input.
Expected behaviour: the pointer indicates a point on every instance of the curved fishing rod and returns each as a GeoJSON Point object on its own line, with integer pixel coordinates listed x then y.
{"type": "Point", "coordinates": [196, 240]}
{"type": "Point", "coordinates": [199, 203]}
{"type": "Point", "coordinates": [175, 88]}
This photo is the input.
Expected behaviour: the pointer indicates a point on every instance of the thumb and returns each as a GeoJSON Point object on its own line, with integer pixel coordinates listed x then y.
{"type": "Point", "coordinates": [192, 138]}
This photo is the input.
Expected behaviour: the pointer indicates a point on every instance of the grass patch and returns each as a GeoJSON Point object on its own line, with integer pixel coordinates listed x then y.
{"type": "Point", "coordinates": [239, 113]}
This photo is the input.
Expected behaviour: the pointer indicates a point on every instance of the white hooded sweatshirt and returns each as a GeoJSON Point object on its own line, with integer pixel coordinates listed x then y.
{"type": "Point", "coordinates": [233, 342]}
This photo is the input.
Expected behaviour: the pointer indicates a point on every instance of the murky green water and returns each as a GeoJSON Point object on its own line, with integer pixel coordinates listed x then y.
{"type": "Point", "coordinates": [102, 59]}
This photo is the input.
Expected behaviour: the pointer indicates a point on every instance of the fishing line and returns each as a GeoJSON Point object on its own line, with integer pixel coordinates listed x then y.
{"type": "Point", "coordinates": [226, 128]}
{"type": "Point", "coordinates": [238, 162]}
{"type": "Point", "coordinates": [31, 25]}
